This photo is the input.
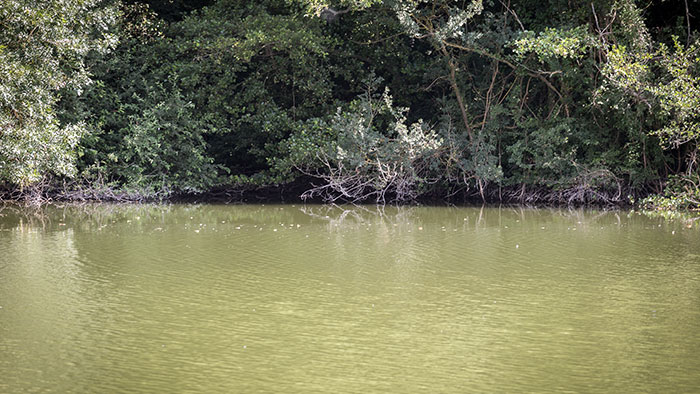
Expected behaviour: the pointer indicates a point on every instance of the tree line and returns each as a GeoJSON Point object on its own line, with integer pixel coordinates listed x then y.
{"type": "Point", "coordinates": [577, 102]}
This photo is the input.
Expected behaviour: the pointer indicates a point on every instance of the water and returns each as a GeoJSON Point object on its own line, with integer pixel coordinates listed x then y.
{"type": "Point", "coordinates": [325, 299]}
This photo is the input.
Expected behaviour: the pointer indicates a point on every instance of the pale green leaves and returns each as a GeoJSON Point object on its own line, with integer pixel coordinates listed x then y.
{"type": "Point", "coordinates": [555, 43]}
{"type": "Point", "coordinates": [442, 20]}
{"type": "Point", "coordinates": [367, 151]}
{"type": "Point", "coordinates": [679, 93]}
{"type": "Point", "coordinates": [674, 86]}
{"type": "Point", "coordinates": [457, 20]}
{"type": "Point", "coordinates": [414, 140]}
{"type": "Point", "coordinates": [627, 70]}
{"type": "Point", "coordinates": [315, 7]}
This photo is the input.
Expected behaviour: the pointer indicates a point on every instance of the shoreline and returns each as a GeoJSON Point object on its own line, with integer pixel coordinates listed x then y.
{"type": "Point", "coordinates": [291, 193]}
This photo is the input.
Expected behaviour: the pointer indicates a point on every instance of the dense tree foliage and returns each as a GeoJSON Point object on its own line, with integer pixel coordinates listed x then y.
{"type": "Point", "coordinates": [361, 100]}
{"type": "Point", "coordinates": [42, 47]}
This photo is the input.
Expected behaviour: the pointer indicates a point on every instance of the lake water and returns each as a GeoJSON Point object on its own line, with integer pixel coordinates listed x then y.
{"type": "Point", "coordinates": [212, 298]}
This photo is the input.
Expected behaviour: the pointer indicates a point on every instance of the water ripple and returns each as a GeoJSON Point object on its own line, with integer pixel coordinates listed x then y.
{"type": "Point", "coordinates": [347, 299]}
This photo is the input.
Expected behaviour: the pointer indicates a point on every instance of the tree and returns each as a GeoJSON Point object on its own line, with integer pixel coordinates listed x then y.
{"type": "Point", "coordinates": [42, 50]}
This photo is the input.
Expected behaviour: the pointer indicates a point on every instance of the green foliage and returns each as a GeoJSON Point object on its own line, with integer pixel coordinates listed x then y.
{"type": "Point", "coordinates": [668, 82]}
{"type": "Point", "coordinates": [145, 133]}
{"type": "Point", "coordinates": [666, 85]}
{"type": "Point", "coordinates": [626, 70]}
{"type": "Point", "coordinates": [545, 155]}
{"type": "Point", "coordinates": [442, 20]}
{"type": "Point", "coordinates": [578, 98]}
{"type": "Point", "coordinates": [678, 93]}
{"type": "Point", "coordinates": [160, 149]}
{"type": "Point", "coordinates": [316, 7]}
{"type": "Point", "coordinates": [180, 107]}
{"type": "Point", "coordinates": [367, 152]}
{"type": "Point", "coordinates": [682, 192]}
{"type": "Point", "coordinates": [551, 43]}
{"type": "Point", "coordinates": [252, 71]}
{"type": "Point", "coordinates": [42, 48]}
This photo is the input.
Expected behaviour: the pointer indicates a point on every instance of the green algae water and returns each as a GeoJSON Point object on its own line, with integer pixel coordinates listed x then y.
{"type": "Point", "coordinates": [208, 298]}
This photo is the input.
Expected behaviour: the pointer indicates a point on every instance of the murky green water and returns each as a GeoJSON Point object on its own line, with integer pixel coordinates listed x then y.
{"type": "Point", "coordinates": [321, 299]}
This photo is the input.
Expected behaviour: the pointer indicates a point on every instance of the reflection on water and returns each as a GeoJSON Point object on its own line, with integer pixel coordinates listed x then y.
{"type": "Point", "coordinates": [205, 298]}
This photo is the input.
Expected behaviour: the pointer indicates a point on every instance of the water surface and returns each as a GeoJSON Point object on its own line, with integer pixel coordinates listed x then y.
{"type": "Point", "coordinates": [201, 298]}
